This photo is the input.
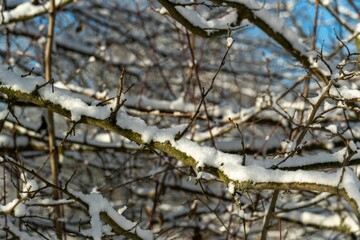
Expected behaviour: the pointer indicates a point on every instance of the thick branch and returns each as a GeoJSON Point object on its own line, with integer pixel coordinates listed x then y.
{"type": "Point", "coordinates": [53, 151]}
{"type": "Point", "coordinates": [186, 23]}
{"type": "Point", "coordinates": [27, 10]}
{"type": "Point", "coordinates": [108, 217]}
{"type": "Point", "coordinates": [261, 21]}
{"type": "Point", "coordinates": [227, 167]}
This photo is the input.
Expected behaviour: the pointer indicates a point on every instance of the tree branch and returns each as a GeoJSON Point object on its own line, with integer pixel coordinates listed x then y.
{"type": "Point", "coordinates": [227, 167]}
{"type": "Point", "coordinates": [245, 12]}
{"type": "Point", "coordinates": [18, 14]}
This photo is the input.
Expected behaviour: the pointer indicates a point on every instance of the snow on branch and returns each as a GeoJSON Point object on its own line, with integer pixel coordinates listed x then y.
{"type": "Point", "coordinates": [332, 221]}
{"type": "Point", "coordinates": [28, 10]}
{"type": "Point", "coordinates": [100, 206]}
{"type": "Point", "coordinates": [196, 23]}
{"type": "Point", "coordinates": [230, 168]}
{"type": "Point", "coordinates": [103, 217]}
{"type": "Point", "coordinates": [273, 26]}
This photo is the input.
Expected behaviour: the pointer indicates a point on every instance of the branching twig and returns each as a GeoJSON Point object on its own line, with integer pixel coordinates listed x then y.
{"type": "Point", "coordinates": [104, 215]}
{"type": "Point", "coordinates": [69, 180]}
{"type": "Point", "coordinates": [38, 87]}
{"type": "Point", "coordinates": [242, 140]}
{"type": "Point", "coordinates": [28, 74]}
{"type": "Point", "coordinates": [118, 105]}
{"type": "Point", "coordinates": [70, 131]}
{"type": "Point", "coordinates": [204, 94]}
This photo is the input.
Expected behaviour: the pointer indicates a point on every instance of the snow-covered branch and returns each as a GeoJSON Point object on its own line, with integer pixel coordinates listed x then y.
{"type": "Point", "coordinates": [99, 208]}
{"type": "Point", "coordinates": [231, 169]}
{"type": "Point", "coordinates": [270, 148]}
{"type": "Point", "coordinates": [28, 10]}
{"type": "Point", "coordinates": [273, 26]}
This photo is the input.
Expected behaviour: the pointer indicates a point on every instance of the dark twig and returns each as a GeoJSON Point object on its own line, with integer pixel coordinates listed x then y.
{"type": "Point", "coordinates": [242, 139]}
{"type": "Point", "coordinates": [38, 87]}
{"type": "Point", "coordinates": [28, 74]}
{"type": "Point", "coordinates": [106, 101]}
{"type": "Point", "coordinates": [11, 110]}
{"type": "Point", "coordinates": [118, 105]}
{"type": "Point", "coordinates": [71, 130]}
{"type": "Point", "coordinates": [71, 177]}
{"type": "Point", "coordinates": [320, 57]}
{"type": "Point", "coordinates": [347, 49]}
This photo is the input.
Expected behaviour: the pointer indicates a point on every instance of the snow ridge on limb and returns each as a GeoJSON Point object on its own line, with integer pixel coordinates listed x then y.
{"type": "Point", "coordinates": [195, 23]}
{"type": "Point", "coordinates": [273, 26]}
{"type": "Point", "coordinates": [99, 209]}
{"type": "Point", "coordinates": [27, 10]}
{"type": "Point", "coordinates": [34, 90]}
{"type": "Point", "coordinates": [230, 168]}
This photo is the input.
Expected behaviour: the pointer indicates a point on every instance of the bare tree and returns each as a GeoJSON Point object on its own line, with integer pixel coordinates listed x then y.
{"type": "Point", "coordinates": [179, 119]}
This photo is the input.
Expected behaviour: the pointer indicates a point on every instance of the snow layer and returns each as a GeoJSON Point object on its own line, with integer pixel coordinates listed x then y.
{"type": "Point", "coordinates": [27, 9]}
{"type": "Point", "coordinates": [326, 221]}
{"type": "Point", "coordinates": [253, 171]}
{"type": "Point", "coordinates": [345, 93]}
{"type": "Point", "coordinates": [98, 204]}
{"type": "Point", "coordinates": [62, 97]}
{"type": "Point", "coordinates": [215, 24]}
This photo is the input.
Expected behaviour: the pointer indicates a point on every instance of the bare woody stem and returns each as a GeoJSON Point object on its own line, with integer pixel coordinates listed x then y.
{"type": "Point", "coordinates": [247, 13]}
{"type": "Point", "coordinates": [119, 230]}
{"type": "Point", "coordinates": [53, 151]}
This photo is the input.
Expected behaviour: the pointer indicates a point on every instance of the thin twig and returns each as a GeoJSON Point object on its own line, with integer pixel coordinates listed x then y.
{"type": "Point", "coordinates": [38, 87]}
{"type": "Point", "coordinates": [242, 140]}
{"type": "Point", "coordinates": [204, 94]}
{"type": "Point", "coordinates": [118, 105]}
{"type": "Point", "coordinates": [71, 130]}
{"type": "Point", "coordinates": [28, 74]}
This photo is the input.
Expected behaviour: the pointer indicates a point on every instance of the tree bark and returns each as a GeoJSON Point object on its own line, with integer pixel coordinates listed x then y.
{"type": "Point", "coordinates": [53, 151]}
